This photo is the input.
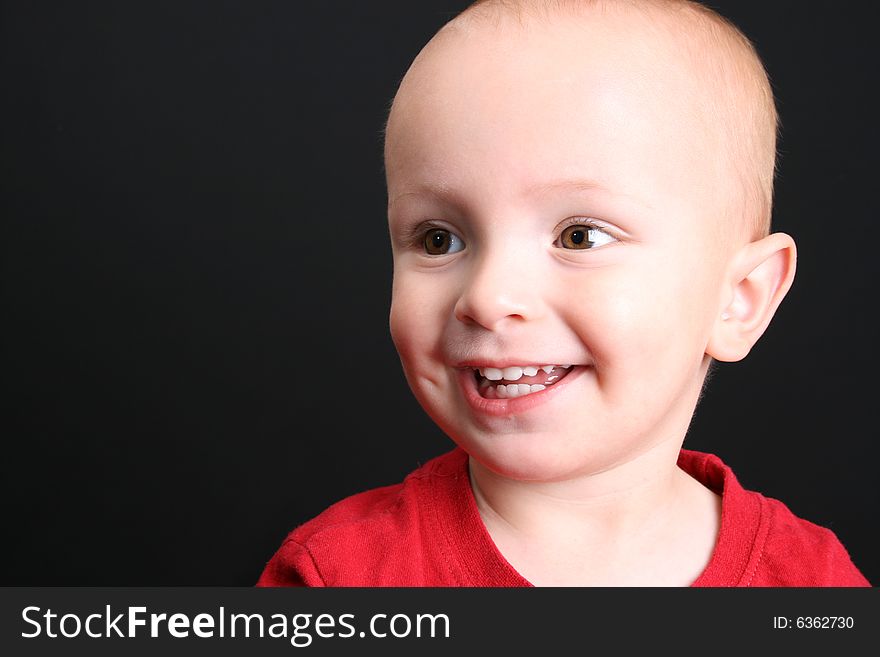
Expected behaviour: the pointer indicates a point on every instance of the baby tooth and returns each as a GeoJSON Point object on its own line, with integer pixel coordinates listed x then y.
{"type": "Point", "coordinates": [523, 388]}
{"type": "Point", "coordinates": [492, 373]}
{"type": "Point", "coordinates": [537, 388]}
{"type": "Point", "coordinates": [502, 391]}
{"type": "Point", "coordinates": [513, 373]}
{"type": "Point", "coordinates": [513, 390]}
{"type": "Point", "coordinates": [565, 367]}
{"type": "Point", "coordinates": [547, 368]}
{"type": "Point", "coordinates": [530, 370]}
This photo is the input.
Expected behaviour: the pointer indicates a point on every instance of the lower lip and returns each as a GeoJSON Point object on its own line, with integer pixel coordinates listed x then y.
{"type": "Point", "coordinates": [515, 405]}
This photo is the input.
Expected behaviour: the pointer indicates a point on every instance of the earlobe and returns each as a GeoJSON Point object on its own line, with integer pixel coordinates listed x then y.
{"type": "Point", "coordinates": [760, 275]}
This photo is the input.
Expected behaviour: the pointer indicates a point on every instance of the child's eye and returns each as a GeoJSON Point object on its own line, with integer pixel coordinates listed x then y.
{"type": "Point", "coordinates": [584, 236]}
{"type": "Point", "coordinates": [438, 241]}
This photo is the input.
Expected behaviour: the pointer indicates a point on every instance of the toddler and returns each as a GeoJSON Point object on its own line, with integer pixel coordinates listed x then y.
{"type": "Point", "coordinates": [579, 202]}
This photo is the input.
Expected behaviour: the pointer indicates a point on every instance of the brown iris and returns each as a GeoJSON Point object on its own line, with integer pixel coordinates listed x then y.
{"type": "Point", "coordinates": [576, 237]}
{"type": "Point", "coordinates": [438, 241]}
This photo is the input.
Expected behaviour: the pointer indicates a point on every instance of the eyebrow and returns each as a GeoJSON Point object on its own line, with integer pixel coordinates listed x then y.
{"type": "Point", "coordinates": [427, 189]}
{"type": "Point", "coordinates": [576, 185]}
{"type": "Point", "coordinates": [443, 191]}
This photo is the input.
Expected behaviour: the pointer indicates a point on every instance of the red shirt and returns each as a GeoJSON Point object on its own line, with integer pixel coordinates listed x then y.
{"type": "Point", "coordinates": [427, 531]}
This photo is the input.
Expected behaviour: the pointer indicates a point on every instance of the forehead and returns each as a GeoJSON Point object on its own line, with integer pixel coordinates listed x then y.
{"type": "Point", "coordinates": [501, 109]}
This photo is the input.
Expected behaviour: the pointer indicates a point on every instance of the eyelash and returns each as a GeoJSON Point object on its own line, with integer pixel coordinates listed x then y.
{"type": "Point", "coordinates": [416, 237]}
{"type": "Point", "coordinates": [578, 221]}
{"type": "Point", "coordinates": [586, 222]}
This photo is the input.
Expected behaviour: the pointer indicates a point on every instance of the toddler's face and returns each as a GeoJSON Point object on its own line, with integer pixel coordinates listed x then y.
{"type": "Point", "coordinates": [551, 203]}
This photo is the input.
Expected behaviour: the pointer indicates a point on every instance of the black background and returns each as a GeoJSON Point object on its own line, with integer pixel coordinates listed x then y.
{"type": "Point", "coordinates": [196, 281]}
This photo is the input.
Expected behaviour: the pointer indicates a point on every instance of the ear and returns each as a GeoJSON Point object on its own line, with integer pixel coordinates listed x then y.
{"type": "Point", "coordinates": [759, 277]}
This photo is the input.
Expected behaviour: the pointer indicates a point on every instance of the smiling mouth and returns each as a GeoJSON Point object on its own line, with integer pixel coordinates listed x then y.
{"type": "Point", "coordinates": [517, 381]}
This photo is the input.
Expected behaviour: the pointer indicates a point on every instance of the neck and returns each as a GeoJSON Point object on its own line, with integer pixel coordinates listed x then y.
{"type": "Point", "coordinates": [613, 520]}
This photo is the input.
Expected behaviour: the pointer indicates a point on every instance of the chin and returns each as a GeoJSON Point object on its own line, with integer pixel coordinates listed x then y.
{"type": "Point", "coordinates": [525, 457]}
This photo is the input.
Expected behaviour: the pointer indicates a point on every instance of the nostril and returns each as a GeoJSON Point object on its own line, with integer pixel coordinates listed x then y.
{"type": "Point", "coordinates": [487, 315]}
{"type": "Point", "coordinates": [491, 296]}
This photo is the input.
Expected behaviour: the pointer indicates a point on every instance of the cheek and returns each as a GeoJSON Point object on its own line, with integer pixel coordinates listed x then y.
{"type": "Point", "coordinates": [416, 316]}
{"type": "Point", "coordinates": [417, 320]}
{"type": "Point", "coordinates": [403, 323]}
{"type": "Point", "coordinates": [639, 315]}
{"type": "Point", "coordinates": [614, 314]}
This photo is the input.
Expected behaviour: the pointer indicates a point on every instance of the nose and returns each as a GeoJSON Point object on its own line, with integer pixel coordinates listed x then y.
{"type": "Point", "coordinates": [499, 289]}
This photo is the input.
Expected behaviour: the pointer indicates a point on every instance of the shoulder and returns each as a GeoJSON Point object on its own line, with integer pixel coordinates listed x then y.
{"type": "Point", "coordinates": [761, 542]}
{"type": "Point", "coordinates": [367, 538]}
{"type": "Point", "coordinates": [797, 552]}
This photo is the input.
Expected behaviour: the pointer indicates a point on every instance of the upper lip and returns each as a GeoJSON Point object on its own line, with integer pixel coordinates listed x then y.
{"type": "Point", "coordinates": [508, 362]}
